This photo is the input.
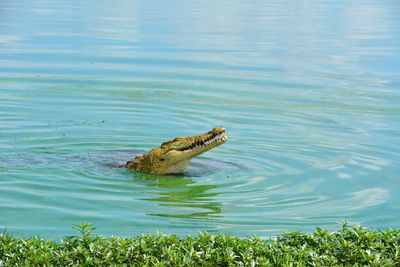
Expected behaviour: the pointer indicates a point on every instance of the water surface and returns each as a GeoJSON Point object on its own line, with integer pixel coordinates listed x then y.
{"type": "Point", "coordinates": [308, 92]}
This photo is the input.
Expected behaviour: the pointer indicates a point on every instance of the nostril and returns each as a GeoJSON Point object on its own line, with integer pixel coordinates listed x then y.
{"type": "Point", "coordinates": [218, 130]}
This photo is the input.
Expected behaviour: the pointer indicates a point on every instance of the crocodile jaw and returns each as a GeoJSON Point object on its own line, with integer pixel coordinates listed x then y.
{"type": "Point", "coordinates": [174, 156]}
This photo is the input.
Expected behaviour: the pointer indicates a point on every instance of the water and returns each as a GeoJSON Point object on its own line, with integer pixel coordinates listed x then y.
{"type": "Point", "coordinates": [308, 92]}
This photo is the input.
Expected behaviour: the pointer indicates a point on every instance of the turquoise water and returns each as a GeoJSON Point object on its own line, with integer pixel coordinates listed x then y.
{"type": "Point", "coordinates": [308, 92]}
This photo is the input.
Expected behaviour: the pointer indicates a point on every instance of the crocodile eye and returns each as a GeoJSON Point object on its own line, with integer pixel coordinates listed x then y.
{"type": "Point", "coordinates": [162, 159]}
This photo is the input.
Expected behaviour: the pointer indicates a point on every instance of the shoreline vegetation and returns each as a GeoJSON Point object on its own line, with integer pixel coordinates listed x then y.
{"type": "Point", "coordinates": [351, 245]}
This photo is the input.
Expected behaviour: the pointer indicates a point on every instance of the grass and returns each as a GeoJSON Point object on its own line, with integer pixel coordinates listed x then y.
{"type": "Point", "coordinates": [349, 246]}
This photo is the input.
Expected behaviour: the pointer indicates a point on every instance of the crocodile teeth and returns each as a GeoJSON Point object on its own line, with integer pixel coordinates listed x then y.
{"type": "Point", "coordinates": [206, 142]}
{"type": "Point", "coordinates": [214, 139]}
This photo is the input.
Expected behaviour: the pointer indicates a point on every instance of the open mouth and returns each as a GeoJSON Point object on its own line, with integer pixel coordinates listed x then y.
{"type": "Point", "coordinates": [206, 142]}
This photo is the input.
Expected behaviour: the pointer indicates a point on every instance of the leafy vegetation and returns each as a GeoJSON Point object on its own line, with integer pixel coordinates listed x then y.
{"type": "Point", "coordinates": [351, 245]}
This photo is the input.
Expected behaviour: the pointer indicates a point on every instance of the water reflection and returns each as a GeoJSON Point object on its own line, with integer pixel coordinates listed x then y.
{"type": "Point", "coordinates": [181, 196]}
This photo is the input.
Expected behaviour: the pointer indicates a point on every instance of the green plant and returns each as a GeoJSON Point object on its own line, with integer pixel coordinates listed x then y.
{"type": "Point", "coordinates": [351, 245]}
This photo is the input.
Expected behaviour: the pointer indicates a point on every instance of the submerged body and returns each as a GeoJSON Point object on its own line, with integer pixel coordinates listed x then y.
{"type": "Point", "coordinates": [174, 156]}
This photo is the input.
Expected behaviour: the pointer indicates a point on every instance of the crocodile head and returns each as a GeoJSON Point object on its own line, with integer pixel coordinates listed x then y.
{"type": "Point", "coordinates": [173, 156]}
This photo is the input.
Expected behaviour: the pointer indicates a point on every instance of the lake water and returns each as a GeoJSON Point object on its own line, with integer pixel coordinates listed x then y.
{"type": "Point", "coordinates": [307, 90]}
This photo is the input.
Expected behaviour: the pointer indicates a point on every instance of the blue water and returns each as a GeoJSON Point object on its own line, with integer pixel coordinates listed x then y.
{"type": "Point", "coordinates": [307, 90]}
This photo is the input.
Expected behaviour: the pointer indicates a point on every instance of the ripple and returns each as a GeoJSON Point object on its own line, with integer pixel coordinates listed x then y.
{"type": "Point", "coordinates": [311, 114]}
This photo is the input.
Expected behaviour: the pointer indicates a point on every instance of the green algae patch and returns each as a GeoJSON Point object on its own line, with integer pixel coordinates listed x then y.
{"type": "Point", "coordinates": [351, 245]}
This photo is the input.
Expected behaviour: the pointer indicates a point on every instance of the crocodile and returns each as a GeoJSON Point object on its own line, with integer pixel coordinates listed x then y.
{"type": "Point", "coordinates": [173, 156]}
